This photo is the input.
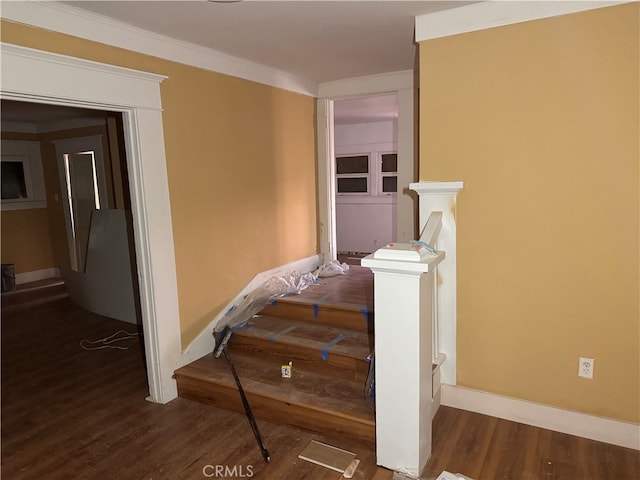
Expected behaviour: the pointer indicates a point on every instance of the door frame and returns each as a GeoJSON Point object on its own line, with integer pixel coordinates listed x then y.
{"type": "Point", "coordinates": [37, 76]}
{"type": "Point", "coordinates": [400, 83]}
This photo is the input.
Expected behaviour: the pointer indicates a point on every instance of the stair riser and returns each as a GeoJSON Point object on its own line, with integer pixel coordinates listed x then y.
{"type": "Point", "coordinates": [30, 298]}
{"type": "Point", "coordinates": [321, 314]}
{"type": "Point", "coordinates": [275, 411]}
{"type": "Point", "coordinates": [335, 365]}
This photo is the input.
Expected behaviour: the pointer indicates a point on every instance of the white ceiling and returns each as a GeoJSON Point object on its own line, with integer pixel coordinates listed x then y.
{"type": "Point", "coordinates": [317, 40]}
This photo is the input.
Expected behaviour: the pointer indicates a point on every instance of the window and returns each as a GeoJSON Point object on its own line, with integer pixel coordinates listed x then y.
{"type": "Point", "coordinates": [370, 174]}
{"type": "Point", "coordinates": [14, 186]}
{"type": "Point", "coordinates": [389, 173]}
{"type": "Point", "coordinates": [22, 175]}
{"type": "Point", "coordinates": [352, 175]}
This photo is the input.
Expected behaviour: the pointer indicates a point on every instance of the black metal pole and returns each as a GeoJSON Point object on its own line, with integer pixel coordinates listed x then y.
{"type": "Point", "coordinates": [222, 348]}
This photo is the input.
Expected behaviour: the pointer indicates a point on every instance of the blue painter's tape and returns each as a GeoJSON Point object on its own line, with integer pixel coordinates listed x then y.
{"type": "Point", "coordinates": [365, 313]}
{"type": "Point", "coordinates": [283, 332]}
{"type": "Point", "coordinates": [315, 310]}
{"type": "Point", "coordinates": [331, 344]}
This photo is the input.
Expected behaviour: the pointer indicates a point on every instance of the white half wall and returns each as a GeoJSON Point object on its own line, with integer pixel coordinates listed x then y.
{"type": "Point", "coordinates": [365, 224]}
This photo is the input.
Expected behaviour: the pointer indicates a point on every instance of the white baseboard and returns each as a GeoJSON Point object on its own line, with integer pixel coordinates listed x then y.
{"type": "Point", "coordinates": [608, 430]}
{"type": "Point", "coordinates": [203, 344]}
{"type": "Point", "coordinates": [26, 277]}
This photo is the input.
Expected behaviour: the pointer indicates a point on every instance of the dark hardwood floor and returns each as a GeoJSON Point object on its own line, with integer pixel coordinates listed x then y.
{"type": "Point", "coordinates": [68, 413]}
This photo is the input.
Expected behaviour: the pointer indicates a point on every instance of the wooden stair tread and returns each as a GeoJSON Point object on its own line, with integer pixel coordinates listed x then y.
{"type": "Point", "coordinates": [339, 397]}
{"type": "Point", "coordinates": [317, 337]}
{"type": "Point", "coordinates": [34, 293]}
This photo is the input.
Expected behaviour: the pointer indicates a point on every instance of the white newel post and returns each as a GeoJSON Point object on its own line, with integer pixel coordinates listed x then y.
{"type": "Point", "coordinates": [442, 197]}
{"type": "Point", "coordinates": [403, 288]}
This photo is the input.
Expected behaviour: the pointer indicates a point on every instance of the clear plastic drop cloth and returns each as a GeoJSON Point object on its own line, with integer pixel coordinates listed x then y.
{"type": "Point", "coordinates": [331, 269]}
{"type": "Point", "coordinates": [275, 287]}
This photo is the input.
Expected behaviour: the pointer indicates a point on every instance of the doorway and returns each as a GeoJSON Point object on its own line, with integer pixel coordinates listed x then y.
{"type": "Point", "coordinates": [366, 169]}
{"type": "Point", "coordinates": [400, 84]}
{"type": "Point", "coordinates": [42, 77]}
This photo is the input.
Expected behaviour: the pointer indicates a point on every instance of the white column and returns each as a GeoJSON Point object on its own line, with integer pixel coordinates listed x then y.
{"type": "Point", "coordinates": [403, 311]}
{"type": "Point", "coordinates": [442, 197]}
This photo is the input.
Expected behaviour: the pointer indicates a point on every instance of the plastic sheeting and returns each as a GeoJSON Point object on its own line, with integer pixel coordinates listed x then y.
{"type": "Point", "coordinates": [275, 287]}
{"type": "Point", "coordinates": [331, 269]}
{"type": "Point", "coordinates": [291, 283]}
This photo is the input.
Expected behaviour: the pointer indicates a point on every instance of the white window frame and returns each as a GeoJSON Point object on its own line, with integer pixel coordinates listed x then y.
{"type": "Point", "coordinates": [382, 174]}
{"type": "Point", "coordinates": [26, 152]}
{"type": "Point", "coordinates": [374, 176]}
{"type": "Point", "coordinates": [370, 183]}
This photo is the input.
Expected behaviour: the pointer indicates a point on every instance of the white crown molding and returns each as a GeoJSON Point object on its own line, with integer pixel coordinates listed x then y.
{"type": "Point", "coordinates": [601, 429]}
{"type": "Point", "coordinates": [484, 15]}
{"type": "Point", "coordinates": [90, 26]}
{"type": "Point", "coordinates": [138, 88]}
{"type": "Point", "coordinates": [369, 85]}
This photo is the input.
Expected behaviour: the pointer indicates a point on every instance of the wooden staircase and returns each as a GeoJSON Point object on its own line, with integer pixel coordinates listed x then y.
{"type": "Point", "coordinates": [34, 293]}
{"type": "Point", "coordinates": [326, 333]}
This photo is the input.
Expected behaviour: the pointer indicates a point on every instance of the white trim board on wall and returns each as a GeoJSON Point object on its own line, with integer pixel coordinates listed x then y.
{"type": "Point", "coordinates": [485, 15]}
{"type": "Point", "coordinates": [608, 430]}
{"type": "Point", "coordinates": [42, 77]}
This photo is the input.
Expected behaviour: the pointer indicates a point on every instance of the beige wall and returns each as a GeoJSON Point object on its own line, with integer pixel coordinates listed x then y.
{"type": "Point", "coordinates": [26, 234]}
{"type": "Point", "coordinates": [241, 166]}
{"type": "Point", "coordinates": [26, 240]}
{"type": "Point", "coordinates": [540, 120]}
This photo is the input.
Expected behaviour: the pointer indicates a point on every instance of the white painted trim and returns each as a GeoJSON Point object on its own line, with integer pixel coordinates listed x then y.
{"type": "Point", "coordinates": [436, 187]}
{"type": "Point", "coordinates": [491, 14]}
{"type": "Point", "coordinates": [326, 180]}
{"type": "Point", "coordinates": [27, 152]}
{"type": "Point", "coordinates": [442, 197]}
{"type": "Point", "coordinates": [42, 77]}
{"type": "Point", "coordinates": [35, 275]}
{"type": "Point", "coordinates": [368, 199]}
{"type": "Point", "coordinates": [608, 430]}
{"type": "Point", "coordinates": [123, 87]}
{"type": "Point", "coordinates": [204, 343]}
{"type": "Point", "coordinates": [368, 85]}
{"type": "Point", "coordinates": [70, 20]}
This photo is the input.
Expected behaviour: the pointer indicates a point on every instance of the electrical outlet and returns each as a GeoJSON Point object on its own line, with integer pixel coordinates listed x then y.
{"type": "Point", "coordinates": [585, 367]}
